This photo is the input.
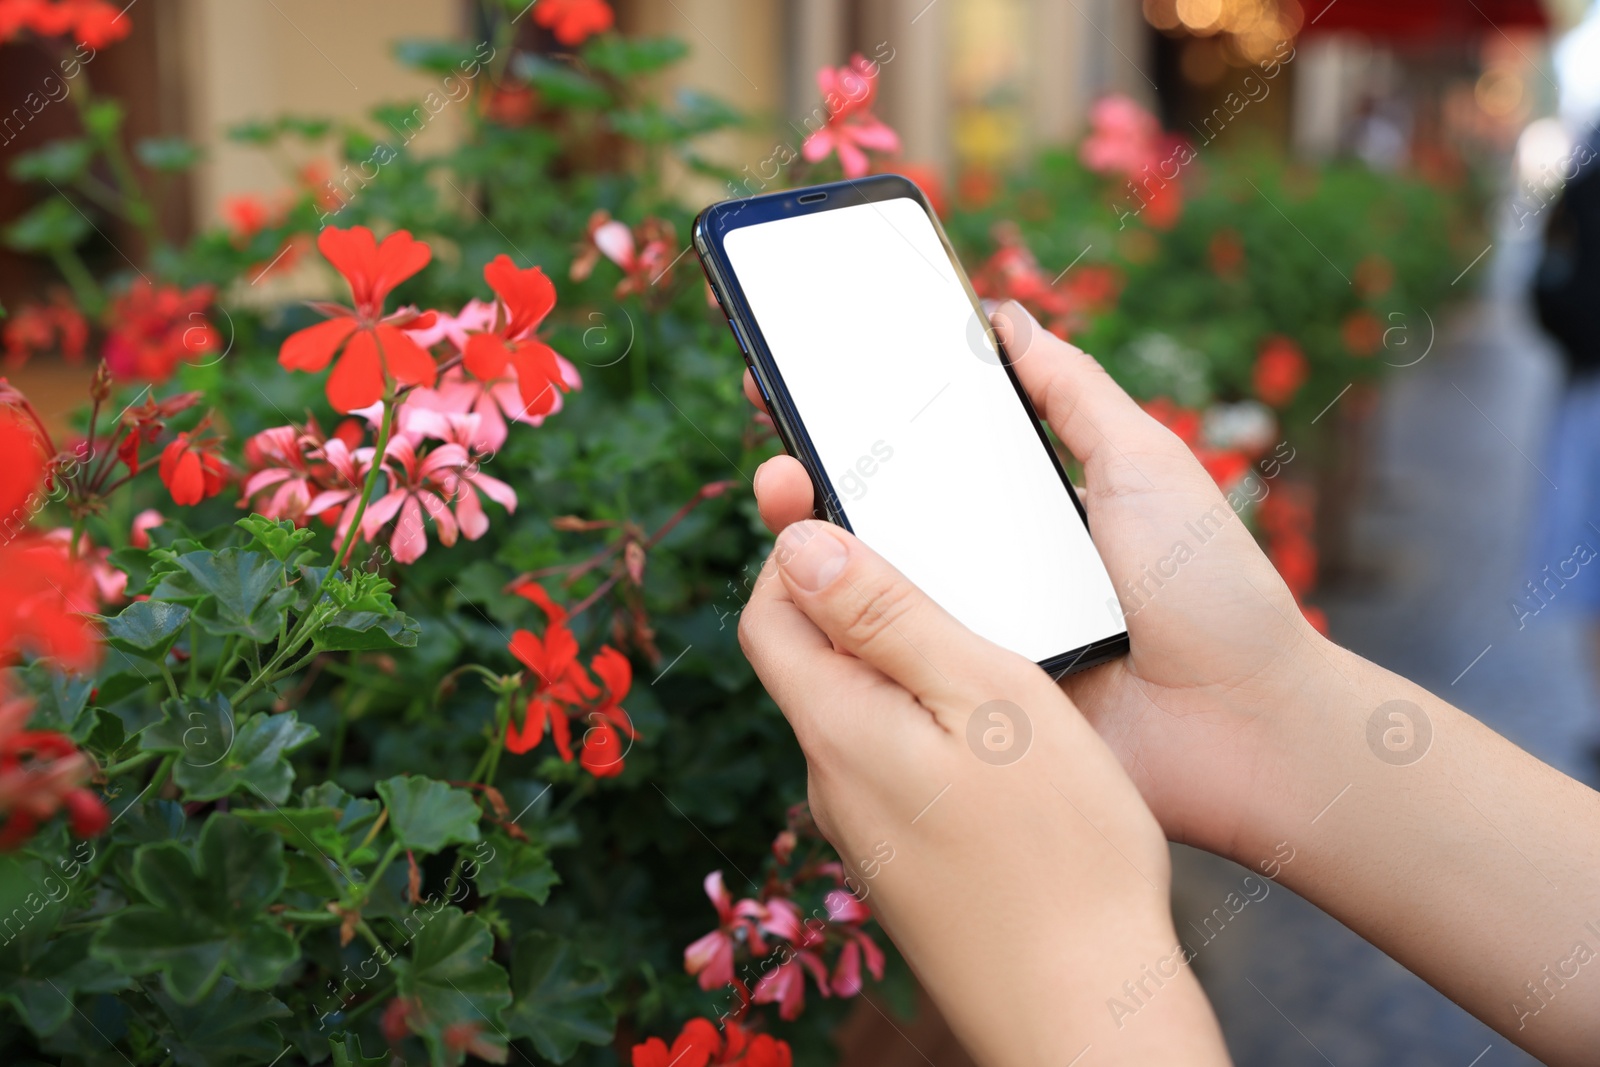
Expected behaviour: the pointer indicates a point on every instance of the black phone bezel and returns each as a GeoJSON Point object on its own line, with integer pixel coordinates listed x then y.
{"type": "Point", "coordinates": [712, 226]}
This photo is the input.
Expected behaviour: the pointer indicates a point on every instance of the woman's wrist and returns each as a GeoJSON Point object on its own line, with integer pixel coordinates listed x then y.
{"type": "Point", "coordinates": [1302, 744]}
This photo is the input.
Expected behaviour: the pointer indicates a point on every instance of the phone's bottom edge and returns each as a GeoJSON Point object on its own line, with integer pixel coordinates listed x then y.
{"type": "Point", "coordinates": [1091, 655]}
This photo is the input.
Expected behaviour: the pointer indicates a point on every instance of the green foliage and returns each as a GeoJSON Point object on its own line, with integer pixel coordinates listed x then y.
{"type": "Point", "coordinates": [560, 1000]}
{"type": "Point", "coordinates": [203, 914]}
{"type": "Point", "coordinates": [427, 815]}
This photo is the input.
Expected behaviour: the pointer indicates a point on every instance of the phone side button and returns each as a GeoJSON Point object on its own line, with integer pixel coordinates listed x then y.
{"type": "Point", "coordinates": [738, 335]}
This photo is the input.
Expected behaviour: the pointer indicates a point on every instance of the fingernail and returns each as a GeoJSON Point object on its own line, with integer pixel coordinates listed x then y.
{"type": "Point", "coordinates": [811, 555]}
{"type": "Point", "coordinates": [755, 483]}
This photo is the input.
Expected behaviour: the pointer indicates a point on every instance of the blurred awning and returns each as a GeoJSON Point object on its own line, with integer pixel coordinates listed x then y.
{"type": "Point", "coordinates": [1421, 19]}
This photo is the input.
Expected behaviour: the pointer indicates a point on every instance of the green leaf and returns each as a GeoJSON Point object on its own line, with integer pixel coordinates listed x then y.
{"type": "Point", "coordinates": [450, 979]}
{"type": "Point", "coordinates": [103, 118]}
{"type": "Point", "coordinates": [167, 153]}
{"type": "Point", "coordinates": [426, 814]}
{"type": "Point", "coordinates": [515, 869]}
{"type": "Point", "coordinates": [109, 738]}
{"type": "Point", "coordinates": [363, 591]}
{"type": "Point", "coordinates": [201, 730]}
{"type": "Point", "coordinates": [136, 564]}
{"type": "Point", "coordinates": [60, 701]}
{"type": "Point", "coordinates": [244, 592]}
{"type": "Point", "coordinates": [59, 161]}
{"type": "Point", "coordinates": [204, 916]}
{"type": "Point", "coordinates": [362, 631]}
{"type": "Point", "coordinates": [342, 841]}
{"type": "Point", "coordinates": [436, 56]}
{"type": "Point", "coordinates": [560, 84]}
{"type": "Point", "coordinates": [256, 761]}
{"type": "Point", "coordinates": [146, 628]}
{"type": "Point", "coordinates": [230, 1026]}
{"type": "Point", "coordinates": [40, 971]}
{"type": "Point", "coordinates": [627, 57]}
{"type": "Point", "coordinates": [279, 538]}
{"type": "Point", "coordinates": [297, 826]}
{"type": "Point", "coordinates": [54, 226]}
{"type": "Point", "coordinates": [560, 1001]}
{"type": "Point", "coordinates": [347, 1053]}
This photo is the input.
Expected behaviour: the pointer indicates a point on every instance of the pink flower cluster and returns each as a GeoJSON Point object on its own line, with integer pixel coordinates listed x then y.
{"type": "Point", "coordinates": [1127, 141]}
{"type": "Point", "coordinates": [772, 937]}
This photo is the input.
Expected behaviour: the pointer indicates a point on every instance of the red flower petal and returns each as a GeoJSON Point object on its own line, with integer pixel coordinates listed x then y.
{"type": "Point", "coordinates": [539, 378]}
{"type": "Point", "coordinates": [527, 737]}
{"type": "Point", "coordinates": [528, 294]}
{"type": "Point", "coordinates": [602, 750]}
{"type": "Point", "coordinates": [357, 379]}
{"type": "Point", "coordinates": [486, 356]}
{"type": "Point", "coordinates": [371, 269]}
{"type": "Point", "coordinates": [614, 670]}
{"type": "Point", "coordinates": [408, 363]}
{"type": "Point", "coordinates": [310, 349]}
{"type": "Point", "coordinates": [181, 473]}
{"type": "Point", "coordinates": [23, 468]}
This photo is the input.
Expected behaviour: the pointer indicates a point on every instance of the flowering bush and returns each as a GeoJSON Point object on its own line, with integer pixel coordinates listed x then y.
{"type": "Point", "coordinates": [370, 688]}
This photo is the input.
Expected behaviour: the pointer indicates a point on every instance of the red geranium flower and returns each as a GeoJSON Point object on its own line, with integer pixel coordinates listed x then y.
{"type": "Point", "coordinates": [45, 600]}
{"type": "Point", "coordinates": [574, 21]}
{"type": "Point", "coordinates": [525, 298]}
{"type": "Point", "coordinates": [151, 329]}
{"type": "Point", "coordinates": [95, 23]}
{"type": "Point", "coordinates": [41, 773]}
{"type": "Point", "coordinates": [375, 350]}
{"type": "Point", "coordinates": [39, 328]}
{"type": "Point", "coordinates": [562, 689]}
{"type": "Point", "coordinates": [1280, 371]}
{"type": "Point", "coordinates": [700, 1045]}
{"type": "Point", "coordinates": [192, 470]}
{"type": "Point", "coordinates": [1362, 332]}
{"type": "Point", "coordinates": [22, 462]}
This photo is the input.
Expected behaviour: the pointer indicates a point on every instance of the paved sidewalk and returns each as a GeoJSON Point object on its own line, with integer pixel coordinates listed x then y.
{"type": "Point", "coordinates": [1456, 480]}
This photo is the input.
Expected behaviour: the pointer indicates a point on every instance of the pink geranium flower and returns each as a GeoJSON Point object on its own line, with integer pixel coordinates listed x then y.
{"type": "Point", "coordinates": [646, 254]}
{"type": "Point", "coordinates": [279, 458]}
{"type": "Point", "coordinates": [348, 473]}
{"type": "Point", "coordinates": [785, 986]}
{"type": "Point", "coordinates": [711, 957]}
{"type": "Point", "coordinates": [143, 523]}
{"type": "Point", "coordinates": [847, 913]}
{"type": "Point", "coordinates": [464, 483]}
{"type": "Point", "coordinates": [417, 484]}
{"type": "Point", "coordinates": [1123, 136]}
{"type": "Point", "coordinates": [847, 93]}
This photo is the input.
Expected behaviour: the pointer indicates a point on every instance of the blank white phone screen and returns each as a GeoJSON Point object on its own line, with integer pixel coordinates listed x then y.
{"type": "Point", "coordinates": [935, 462]}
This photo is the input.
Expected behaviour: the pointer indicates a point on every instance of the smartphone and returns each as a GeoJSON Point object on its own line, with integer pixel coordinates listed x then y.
{"type": "Point", "coordinates": [886, 381]}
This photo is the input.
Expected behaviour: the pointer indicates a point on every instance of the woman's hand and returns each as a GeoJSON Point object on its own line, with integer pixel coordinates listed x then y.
{"type": "Point", "coordinates": [1218, 643]}
{"type": "Point", "coordinates": [1028, 881]}
{"type": "Point", "coordinates": [1245, 731]}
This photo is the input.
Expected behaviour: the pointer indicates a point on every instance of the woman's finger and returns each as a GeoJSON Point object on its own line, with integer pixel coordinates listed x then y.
{"type": "Point", "coordinates": [784, 493]}
{"type": "Point", "coordinates": [752, 393]}
{"type": "Point", "coordinates": [1073, 393]}
{"type": "Point", "coordinates": [871, 610]}
{"type": "Point", "coordinates": [808, 678]}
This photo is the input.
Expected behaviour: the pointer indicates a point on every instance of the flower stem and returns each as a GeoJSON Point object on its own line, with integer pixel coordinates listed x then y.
{"type": "Point", "coordinates": [131, 763]}
{"type": "Point", "coordinates": [307, 624]}
{"type": "Point", "coordinates": [172, 683]}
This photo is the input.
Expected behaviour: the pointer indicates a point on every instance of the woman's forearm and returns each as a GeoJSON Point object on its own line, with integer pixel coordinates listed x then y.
{"type": "Point", "coordinates": [1467, 860]}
